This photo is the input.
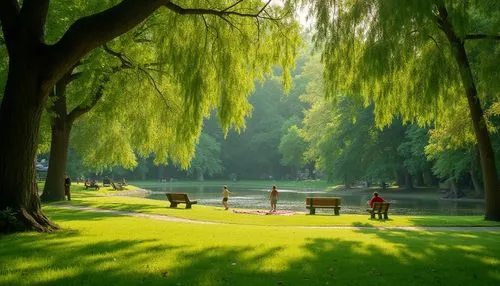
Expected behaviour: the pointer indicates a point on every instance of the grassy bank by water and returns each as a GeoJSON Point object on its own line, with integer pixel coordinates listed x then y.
{"type": "Point", "coordinates": [108, 248]}
{"type": "Point", "coordinates": [218, 214]}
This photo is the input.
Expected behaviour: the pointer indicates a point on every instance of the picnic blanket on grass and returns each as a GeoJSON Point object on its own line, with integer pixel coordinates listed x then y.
{"type": "Point", "coordinates": [264, 212]}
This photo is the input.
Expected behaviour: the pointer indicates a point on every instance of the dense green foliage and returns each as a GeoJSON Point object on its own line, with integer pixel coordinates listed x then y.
{"type": "Point", "coordinates": [158, 87]}
{"type": "Point", "coordinates": [343, 140]}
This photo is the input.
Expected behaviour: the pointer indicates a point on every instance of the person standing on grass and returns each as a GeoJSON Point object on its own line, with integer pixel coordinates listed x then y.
{"type": "Point", "coordinates": [67, 186]}
{"type": "Point", "coordinates": [225, 197]}
{"type": "Point", "coordinates": [273, 197]}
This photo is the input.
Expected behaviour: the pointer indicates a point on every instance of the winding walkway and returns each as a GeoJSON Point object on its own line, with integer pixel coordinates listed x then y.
{"type": "Point", "coordinates": [185, 220]}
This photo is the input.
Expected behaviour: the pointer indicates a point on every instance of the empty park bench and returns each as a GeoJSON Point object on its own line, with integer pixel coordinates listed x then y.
{"type": "Point", "coordinates": [379, 208]}
{"type": "Point", "coordinates": [106, 182]}
{"type": "Point", "coordinates": [323, 203]}
{"type": "Point", "coordinates": [179, 198]}
{"type": "Point", "coordinates": [91, 185]}
{"type": "Point", "coordinates": [117, 187]}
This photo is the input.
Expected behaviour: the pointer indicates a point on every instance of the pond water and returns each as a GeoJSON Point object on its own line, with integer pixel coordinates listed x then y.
{"type": "Point", "coordinates": [353, 201]}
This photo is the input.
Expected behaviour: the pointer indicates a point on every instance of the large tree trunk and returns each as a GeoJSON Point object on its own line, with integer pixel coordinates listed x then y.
{"type": "Point", "coordinates": [60, 130]}
{"type": "Point", "coordinates": [20, 115]}
{"type": "Point", "coordinates": [54, 184]}
{"type": "Point", "coordinates": [491, 187]}
{"type": "Point", "coordinates": [488, 165]}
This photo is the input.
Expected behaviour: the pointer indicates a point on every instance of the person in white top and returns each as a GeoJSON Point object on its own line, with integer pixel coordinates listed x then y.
{"type": "Point", "coordinates": [225, 197]}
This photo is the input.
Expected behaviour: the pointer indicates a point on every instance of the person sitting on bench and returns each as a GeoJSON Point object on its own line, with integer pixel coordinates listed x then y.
{"type": "Point", "coordinates": [376, 198]}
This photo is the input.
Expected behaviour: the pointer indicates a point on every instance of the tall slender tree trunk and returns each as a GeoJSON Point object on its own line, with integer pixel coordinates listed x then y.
{"type": "Point", "coordinates": [20, 115]}
{"type": "Point", "coordinates": [474, 171]}
{"type": "Point", "coordinates": [54, 184]}
{"type": "Point", "coordinates": [419, 178]}
{"type": "Point", "coordinates": [60, 130]}
{"type": "Point", "coordinates": [488, 166]}
{"type": "Point", "coordinates": [408, 181]}
{"type": "Point", "coordinates": [487, 156]}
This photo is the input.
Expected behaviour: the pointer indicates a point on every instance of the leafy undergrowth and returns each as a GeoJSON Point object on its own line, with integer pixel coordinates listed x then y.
{"type": "Point", "coordinates": [110, 249]}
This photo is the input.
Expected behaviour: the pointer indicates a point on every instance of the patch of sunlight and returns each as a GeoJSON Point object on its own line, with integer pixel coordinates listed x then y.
{"type": "Point", "coordinates": [429, 252]}
{"type": "Point", "coordinates": [490, 260]}
{"type": "Point", "coordinates": [439, 246]}
{"type": "Point", "coordinates": [484, 259]}
{"type": "Point", "coordinates": [464, 235]}
{"type": "Point", "coordinates": [9, 277]}
{"type": "Point", "coordinates": [470, 248]}
{"type": "Point", "coordinates": [52, 275]}
{"type": "Point", "coordinates": [24, 263]}
{"type": "Point", "coordinates": [274, 259]}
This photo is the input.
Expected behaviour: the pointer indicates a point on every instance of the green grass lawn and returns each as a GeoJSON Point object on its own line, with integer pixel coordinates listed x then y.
{"type": "Point", "coordinates": [111, 249]}
{"type": "Point", "coordinates": [218, 214]}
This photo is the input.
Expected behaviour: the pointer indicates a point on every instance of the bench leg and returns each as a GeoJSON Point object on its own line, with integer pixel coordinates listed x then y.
{"type": "Point", "coordinates": [379, 215]}
{"type": "Point", "coordinates": [336, 211]}
{"type": "Point", "coordinates": [188, 206]}
{"type": "Point", "coordinates": [386, 216]}
{"type": "Point", "coordinates": [312, 211]}
{"type": "Point", "coordinates": [372, 215]}
{"type": "Point", "coordinates": [173, 205]}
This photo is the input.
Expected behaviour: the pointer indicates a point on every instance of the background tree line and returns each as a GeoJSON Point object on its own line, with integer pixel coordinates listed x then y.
{"type": "Point", "coordinates": [339, 139]}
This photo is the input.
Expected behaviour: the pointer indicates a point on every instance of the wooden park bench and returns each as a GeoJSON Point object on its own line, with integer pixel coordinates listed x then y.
{"type": "Point", "coordinates": [106, 182]}
{"type": "Point", "coordinates": [117, 187]}
{"type": "Point", "coordinates": [323, 203]}
{"type": "Point", "coordinates": [179, 198]}
{"type": "Point", "coordinates": [91, 185]}
{"type": "Point", "coordinates": [379, 208]}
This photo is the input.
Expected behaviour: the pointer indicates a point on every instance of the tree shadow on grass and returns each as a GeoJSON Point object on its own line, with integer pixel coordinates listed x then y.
{"type": "Point", "coordinates": [329, 257]}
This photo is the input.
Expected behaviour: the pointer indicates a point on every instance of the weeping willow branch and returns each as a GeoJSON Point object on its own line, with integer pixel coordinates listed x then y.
{"type": "Point", "coordinates": [155, 86]}
{"type": "Point", "coordinates": [482, 37]}
{"type": "Point", "coordinates": [224, 12]}
{"type": "Point", "coordinates": [123, 59]}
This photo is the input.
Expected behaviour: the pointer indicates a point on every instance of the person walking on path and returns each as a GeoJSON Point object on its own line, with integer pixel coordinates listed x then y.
{"type": "Point", "coordinates": [225, 197]}
{"type": "Point", "coordinates": [67, 187]}
{"type": "Point", "coordinates": [273, 197]}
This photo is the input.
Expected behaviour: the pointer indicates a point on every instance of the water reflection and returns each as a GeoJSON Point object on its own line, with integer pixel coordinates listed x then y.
{"type": "Point", "coordinates": [353, 201]}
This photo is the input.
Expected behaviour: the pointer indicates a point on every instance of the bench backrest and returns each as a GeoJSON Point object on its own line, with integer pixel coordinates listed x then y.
{"type": "Point", "coordinates": [381, 207]}
{"type": "Point", "coordinates": [324, 201]}
{"type": "Point", "coordinates": [177, 197]}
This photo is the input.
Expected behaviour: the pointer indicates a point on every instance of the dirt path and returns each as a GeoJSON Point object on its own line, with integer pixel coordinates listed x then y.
{"type": "Point", "coordinates": [185, 220]}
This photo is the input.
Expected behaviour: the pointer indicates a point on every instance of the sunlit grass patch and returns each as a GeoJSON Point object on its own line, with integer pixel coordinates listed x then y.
{"type": "Point", "coordinates": [218, 214]}
{"type": "Point", "coordinates": [102, 248]}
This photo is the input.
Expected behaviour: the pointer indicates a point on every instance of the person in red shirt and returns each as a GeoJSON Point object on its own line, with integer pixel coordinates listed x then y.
{"type": "Point", "coordinates": [376, 198]}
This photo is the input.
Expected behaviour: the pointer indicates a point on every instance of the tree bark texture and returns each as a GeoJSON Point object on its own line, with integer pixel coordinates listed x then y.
{"type": "Point", "coordinates": [474, 171]}
{"type": "Point", "coordinates": [34, 69]}
{"type": "Point", "coordinates": [20, 115]}
{"type": "Point", "coordinates": [54, 184]}
{"type": "Point", "coordinates": [60, 126]}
